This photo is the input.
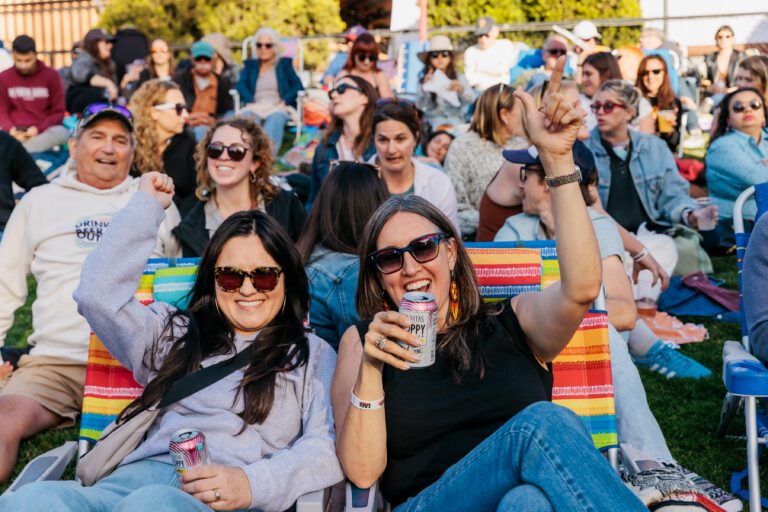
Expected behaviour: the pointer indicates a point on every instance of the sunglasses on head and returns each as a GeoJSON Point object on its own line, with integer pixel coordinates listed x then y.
{"type": "Point", "coordinates": [524, 170]}
{"type": "Point", "coordinates": [178, 107]}
{"type": "Point", "coordinates": [444, 53]}
{"type": "Point", "coordinates": [342, 88]}
{"type": "Point", "coordinates": [362, 57]}
{"type": "Point", "coordinates": [740, 106]}
{"type": "Point", "coordinates": [557, 51]}
{"type": "Point", "coordinates": [268, 46]}
{"type": "Point", "coordinates": [653, 72]}
{"type": "Point", "coordinates": [423, 249]}
{"type": "Point", "coordinates": [383, 102]}
{"type": "Point", "coordinates": [607, 107]}
{"type": "Point", "coordinates": [263, 279]}
{"type": "Point", "coordinates": [216, 149]}
{"type": "Point", "coordinates": [94, 108]}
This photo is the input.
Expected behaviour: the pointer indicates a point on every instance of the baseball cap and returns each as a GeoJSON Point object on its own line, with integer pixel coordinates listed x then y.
{"type": "Point", "coordinates": [96, 34]}
{"type": "Point", "coordinates": [582, 157]}
{"type": "Point", "coordinates": [96, 111]}
{"type": "Point", "coordinates": [586, 30]}
{"type": "Point", "coordinates": [202, 49]}
{"type": "Point", "coordinates": [484, 25]}
{"type": "Point", "coordinates": [354, 32]}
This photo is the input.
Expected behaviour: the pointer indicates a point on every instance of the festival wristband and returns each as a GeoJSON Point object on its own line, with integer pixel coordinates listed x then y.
{"type": "Point", "coordinates": [365, 405]}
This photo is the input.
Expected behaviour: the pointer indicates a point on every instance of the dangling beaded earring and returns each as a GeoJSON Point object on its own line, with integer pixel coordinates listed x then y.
{"type": "Point", "coordinates": [454, 298]}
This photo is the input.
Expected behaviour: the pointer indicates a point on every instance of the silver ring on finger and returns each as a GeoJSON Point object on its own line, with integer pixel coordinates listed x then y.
{"type": "Point", "coordinates": [381, 342]}
{"type": "Point", "coordinates": [217, 493]}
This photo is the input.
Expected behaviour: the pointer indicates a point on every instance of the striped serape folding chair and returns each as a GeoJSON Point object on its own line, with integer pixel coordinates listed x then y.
{"type": "Point", "coordinates": [744, 376]}
{"type": "Point", "coordinates": [582, 372]}
{"type": "Point", "coordinates": [109, 387]}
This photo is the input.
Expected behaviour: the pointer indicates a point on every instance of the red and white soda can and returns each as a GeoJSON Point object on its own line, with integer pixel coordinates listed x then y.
{"type": "Point", "coordinates": [421, 309]}
{"type": "Point", "coordinates": [188, 449]}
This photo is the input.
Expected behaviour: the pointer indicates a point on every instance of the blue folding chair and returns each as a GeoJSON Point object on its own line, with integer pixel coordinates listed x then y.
{"type": "Point", "coordinates": [745, 377]}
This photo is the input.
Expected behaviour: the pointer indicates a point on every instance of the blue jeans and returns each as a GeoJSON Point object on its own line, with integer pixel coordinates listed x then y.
{"type": "Point", "coordinates": [542, 459]}
{"type": "Point", "coordinates": [143, 485]}
{"type": "Point", "coordinates": [274, 127]}
{"type": "Point", "coordinates": [636, 424]}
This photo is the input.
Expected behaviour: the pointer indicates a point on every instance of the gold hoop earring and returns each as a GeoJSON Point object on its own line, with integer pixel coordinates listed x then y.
{"type": "Point", "coordinates": [253, 177]}
{"type": "Point", "coordinates": [454, 298]}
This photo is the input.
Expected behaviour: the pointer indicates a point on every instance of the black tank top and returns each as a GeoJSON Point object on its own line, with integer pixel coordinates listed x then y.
{"type": "Point", "coordinates": [432, 422]}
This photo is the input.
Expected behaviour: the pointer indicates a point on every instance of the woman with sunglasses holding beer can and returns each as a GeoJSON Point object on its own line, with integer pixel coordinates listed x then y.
{"type": "Point", "coordinates": [476, 429]}
{"type": "Point", "coordinates": [234, 163]}
{"type": "Point", "coordinates": [737, 157]}
{"type": "Point", "coordinates": [362, 62]}
{"type": "Point", "coordinates": [162, 142]}
{"type": "Point", "coordinates": [268, 425]}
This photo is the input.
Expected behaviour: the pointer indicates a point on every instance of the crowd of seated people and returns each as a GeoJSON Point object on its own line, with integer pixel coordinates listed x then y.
{"type": "Point", "coordinates": [309, 292]}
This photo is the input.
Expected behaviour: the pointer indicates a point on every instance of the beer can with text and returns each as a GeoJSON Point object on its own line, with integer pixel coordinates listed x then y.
{"type": "Point", "coordinates": [188, 449]}
{"type": "Point", "coordinates": [421, 309]}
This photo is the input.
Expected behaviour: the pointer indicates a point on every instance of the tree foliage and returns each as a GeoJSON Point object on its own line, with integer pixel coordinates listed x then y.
{"type": "Point", "coordinates": [184, 21]}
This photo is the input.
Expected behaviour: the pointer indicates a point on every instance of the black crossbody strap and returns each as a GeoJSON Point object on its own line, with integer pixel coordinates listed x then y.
{"type": "Point", "coordinates": [201, 379]}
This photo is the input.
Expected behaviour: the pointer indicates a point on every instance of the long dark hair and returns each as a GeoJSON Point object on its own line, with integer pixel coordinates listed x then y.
{"type": "Point", "coordinates": [725, 111]}
{"type": "Point", "coordinates": [363, 139]}
{"type": "Point", "coordinates": [279, 347]}
{"type": "Point", "coordinates": [665, 97]}
{"type": "Point", "coordinates": [606, 65]}
{"type": "Point", "coordinates": [347, 199]}
{"type": "Point", "coordinates": [365, 43]}
{"type": "Point", "coordinates": [450, 71]}
{"type": "Point", "coordinates": [107, 65]}
{"type": "Point", "coordinates": [461, 345]}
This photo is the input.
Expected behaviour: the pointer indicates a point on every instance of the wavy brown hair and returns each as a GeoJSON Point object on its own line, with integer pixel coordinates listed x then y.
{"type": "Point", "coordinates": [462, 343]}
{"type": "Point", "coordinates": [365, 43]}
{"type": "Point", "coordinates": [363, 139]}
{"type": "Point", "coordinates": [665, 97]}
{"type": "Point", "coordinates": [149, 152]}
{"type": "Point", "coordinates": [151, 63]}
{"type": "Point", "coordinates": [486, 121]}
{"type": "Point", "coordinates": [261, 187]}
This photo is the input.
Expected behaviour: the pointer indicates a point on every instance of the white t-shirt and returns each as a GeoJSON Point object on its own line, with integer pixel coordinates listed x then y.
{"type": "Point", "coordinates": [485, 68]}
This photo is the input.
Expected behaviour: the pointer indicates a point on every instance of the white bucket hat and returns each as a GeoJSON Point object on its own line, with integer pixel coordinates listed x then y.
{"type": "Point", "coordinates": [436, 44]}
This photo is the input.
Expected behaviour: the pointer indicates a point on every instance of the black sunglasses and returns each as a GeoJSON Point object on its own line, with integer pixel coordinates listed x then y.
{"type": "Point", "coordinates": [383, 102]}
{"type": "Point", "coordinates": [178, 107]}
{"type": "Point", "coordinates": [342, 88]}
{"type": "Point", "coordinates": [202, 59]}
{"type": "Point", "coordinates": [740, 106]}
{"type": "Point", "coordinates": [653, 72]}
{"type": "Point", "coordinates": [216, 149]}
{"type": "Point", "coordinates": [524, 170]}
{"type": "Point", "coordinates": [444, 53]}
{"type": "Point", "coordinates": [264, 279]}
{"type": "Point", "coordinates": [423, 249]}
{"type": "Point", "coordinates": [557, 51]}
{"type": "Point", "coordinates": [268, 46]}
{"type": "Point", "coordinates": [362, 57]}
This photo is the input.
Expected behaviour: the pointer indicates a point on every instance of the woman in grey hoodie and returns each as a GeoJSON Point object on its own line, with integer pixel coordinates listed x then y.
{"type": "Point", "coordinates": [268, 427]}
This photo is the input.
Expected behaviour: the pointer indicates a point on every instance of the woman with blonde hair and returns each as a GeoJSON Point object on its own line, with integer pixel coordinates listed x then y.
{"type": "Point", "coordinates": [234, 164]}
{"type": "Point", "coordinates": [475, 156]}
{"type": "Point", "coordinates": [162, 142]}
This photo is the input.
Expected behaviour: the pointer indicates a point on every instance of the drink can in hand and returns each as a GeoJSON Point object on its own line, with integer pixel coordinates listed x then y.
{"type": "Point", "coordinates": [188, 450]}
{"type": "Point", "coordinates": [421, 309]}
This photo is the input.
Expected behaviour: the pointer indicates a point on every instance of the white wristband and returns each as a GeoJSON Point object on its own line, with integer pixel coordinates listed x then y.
{"type": "Point", "coordinates": [365, 405]}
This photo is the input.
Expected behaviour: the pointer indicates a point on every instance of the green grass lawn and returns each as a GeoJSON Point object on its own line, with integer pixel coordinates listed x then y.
{"type": "Point", "coordinates": [688, 411]}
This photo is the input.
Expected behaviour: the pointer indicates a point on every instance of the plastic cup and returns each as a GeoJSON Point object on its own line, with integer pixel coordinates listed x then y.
{"type": "Point", "coordinates": [665, 121]}
{"type": "Point", "coordinates": [707, 217]}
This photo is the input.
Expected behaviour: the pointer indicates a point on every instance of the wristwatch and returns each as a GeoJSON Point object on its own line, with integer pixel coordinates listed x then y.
{"type": "Point", "coordinates": [575, 176]}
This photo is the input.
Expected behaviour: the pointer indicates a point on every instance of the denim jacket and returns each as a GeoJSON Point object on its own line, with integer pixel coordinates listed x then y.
{"type": "Point", "coordinates": [325, 153]}
{"type": "Point", "coordinates": [332, 286]}
{"type": "Point", "coordinates": [288, 83]}
{"type": "Point", "coordinates": [663, 192]}
{"type": "Point", "coordinates": [734, 163]}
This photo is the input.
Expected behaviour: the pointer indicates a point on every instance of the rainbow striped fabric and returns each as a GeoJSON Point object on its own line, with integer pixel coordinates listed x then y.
{"type": "Point", "coordinates": [109, 387]}
{"type": "Point", "coordinates": [582, 371]}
